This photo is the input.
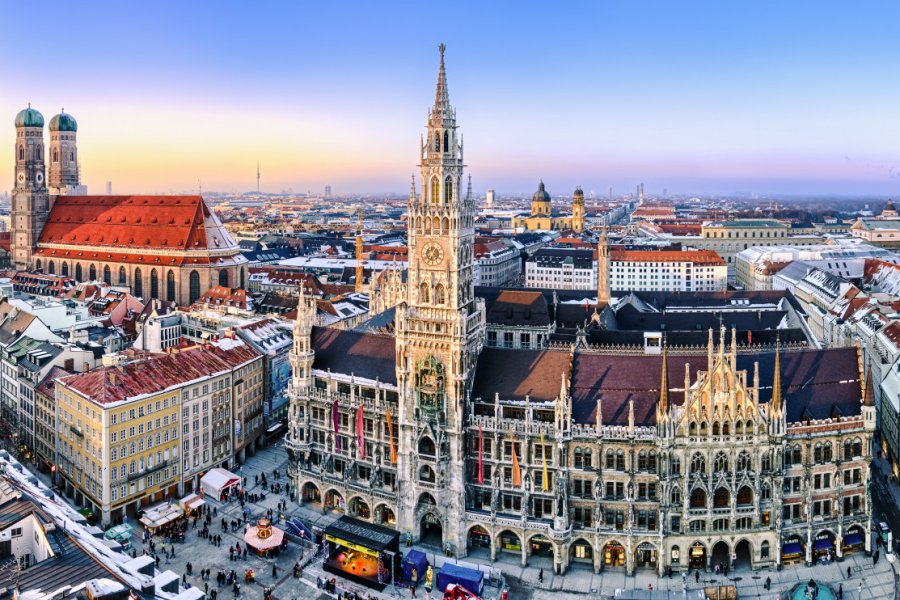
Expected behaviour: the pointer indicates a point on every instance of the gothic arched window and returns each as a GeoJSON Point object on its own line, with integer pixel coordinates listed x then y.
{"type": "Point", "coordinates": [435, 190]}
{"type": "Point", "coordinates": [439, 294]}
{"type": "Point", "coordinates": [107, 275]}
{"type": "Point", "coordinates": [154, 284]}
{"type": "Point", "coordinates": [437, 141]}
{"type": "Point", "coordinates": [223, 278]}
{"type": "Point", "coordinates": [423, 293]}
{"type": "Point", "coordinates": [21, 152]}
{"type": "Point", "coordinates": [194, 281]}
{"type": "Point", "coordinates": [446, 141]}
{"type": "Point", "coordinates": [78, 272]}
{"type": "Point", "coordinates": [138, 283]}
{"type": "Point", "coordinates": [92, 273]}
{"type": "Point", "coordinates": [448, 190]}
{"type": "Point", "coordinates": [170, 286]}
{"type": "Point", "coordinates": [55, 155]}
{"type": "Point", "coordinates": [122, 276]}
{"type": "Point", "coordinates": [65, 269]}
{"type": "Point", "coordinates": [51, 268]}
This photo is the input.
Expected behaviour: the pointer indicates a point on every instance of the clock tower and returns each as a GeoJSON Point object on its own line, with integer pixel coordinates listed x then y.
{"type": "Point", "coordinates": [440, 329]}
{"type": "Point", "coordinates": [30, 198]}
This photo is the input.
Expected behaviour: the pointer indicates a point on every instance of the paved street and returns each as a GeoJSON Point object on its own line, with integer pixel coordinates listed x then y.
{"type": "Point", "coordinates": [879, 581]}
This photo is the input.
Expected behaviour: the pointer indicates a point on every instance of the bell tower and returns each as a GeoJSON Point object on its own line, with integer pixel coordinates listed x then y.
{"type": "Point", "coordinates": [62, 174]}
{"type": "Point", "coordinates": [30, 198]}
{"type": "Point", "coordinates": [440, 327]}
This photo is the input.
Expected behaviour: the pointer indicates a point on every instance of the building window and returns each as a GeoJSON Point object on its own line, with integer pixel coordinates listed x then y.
{"type": "Point", "coordinates": [138, 283]}
{"type": "Point", "coordinates": [154, 284]}
{"type": "Point", "coordinates": [194, 286]}
{"type": "Point", "coordinates": [107, 275]}
{"type": "Point", "coordinates": [78, 272]}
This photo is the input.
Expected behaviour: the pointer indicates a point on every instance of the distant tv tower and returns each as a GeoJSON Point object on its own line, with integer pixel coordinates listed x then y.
{"type": "Point", "coordinates": [257, 178]}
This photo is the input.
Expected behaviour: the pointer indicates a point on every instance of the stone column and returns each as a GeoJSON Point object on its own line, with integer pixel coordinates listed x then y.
{"type": "Point", "coordinates": [524, 552]}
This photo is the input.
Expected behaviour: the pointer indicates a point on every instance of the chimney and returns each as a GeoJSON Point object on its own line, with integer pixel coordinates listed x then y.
{"type": "Point", "coordinates": [69, 364]}
{"type": "Point", "coordinates": [85, 367]}
{"type": "Point", "coordinates": [111, 373]}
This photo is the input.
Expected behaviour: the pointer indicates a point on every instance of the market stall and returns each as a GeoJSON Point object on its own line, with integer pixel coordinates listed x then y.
{"type": "Point", "coordinates": [218, 483]}
{"type": "Point", "coordinates": [191, 504]}
{"type": "Point", "coordinates": [263, 538]}
{"type": "Point", "coordinates": [362, 552]}
{"type": "Point", "coordinates": [159, 517]}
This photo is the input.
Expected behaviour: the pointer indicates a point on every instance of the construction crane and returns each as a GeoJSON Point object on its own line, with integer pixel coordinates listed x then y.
{"type": "Point", "coordinates": [359, 251]}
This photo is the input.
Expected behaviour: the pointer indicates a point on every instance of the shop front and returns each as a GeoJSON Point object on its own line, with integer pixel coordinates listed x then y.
{"type": "Point", "coordinates": [614, 555]}
{"type": "Point", "coordinates": [363, 552]}
{"type": "Point", "coordinates": [645, 556]}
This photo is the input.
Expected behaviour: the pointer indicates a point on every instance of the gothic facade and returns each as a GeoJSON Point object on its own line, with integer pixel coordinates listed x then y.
{"type": "Point", "coordinates": [570, 455]}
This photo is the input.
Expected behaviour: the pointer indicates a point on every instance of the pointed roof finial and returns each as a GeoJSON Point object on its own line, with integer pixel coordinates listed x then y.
{"type": "Point", "coordinates": [869, 396]}
{"type": "Point", "coordinates": [664, 384]}
{"type": "Point", "coordinates": [442, 96]}
{"type": "Point", "coordinates": [776, 381]}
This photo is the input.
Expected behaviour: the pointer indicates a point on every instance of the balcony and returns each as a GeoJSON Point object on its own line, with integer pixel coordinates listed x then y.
{"type": "Point", "coordinates": [160, 465]}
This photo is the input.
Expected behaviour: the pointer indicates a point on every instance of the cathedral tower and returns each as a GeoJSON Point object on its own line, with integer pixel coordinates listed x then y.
{"type": "Point", "coordinates": [62, 172]}
{"type": "Point", "coordinates": [30, 198]}
{"type": "Point", "coordinates": [578, 211]}
{"type": "Point", "coordinates": [439, 332]}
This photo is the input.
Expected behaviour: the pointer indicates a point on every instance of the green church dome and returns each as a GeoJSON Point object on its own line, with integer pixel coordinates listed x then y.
{"type": "Point", "coordinates": [63, 122]}
{"type": "Point", "coordinates": [29, 118]}
{"type": "Point", "coordinates": [541, 194]}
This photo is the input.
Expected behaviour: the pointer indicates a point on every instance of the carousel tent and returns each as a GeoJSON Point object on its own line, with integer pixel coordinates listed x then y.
{"type": "Point", "coordinates": [217, 481]}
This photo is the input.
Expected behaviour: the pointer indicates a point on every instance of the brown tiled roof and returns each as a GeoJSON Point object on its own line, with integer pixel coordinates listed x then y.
{"type": "Point", "coordinates": [367, 355]}
{"type": "Point", "coordinates": [114, 384]}
{"type": "Point", "coordinates": [47, 386]}
{"type": "Point", "coordinates": [816, 384]}
{"type": "Point", "coordinates": [519, 308]}
{"type": "Point", "coordinates": [698, 257]}
{"type": "Point", "coordinates": [515, 374]}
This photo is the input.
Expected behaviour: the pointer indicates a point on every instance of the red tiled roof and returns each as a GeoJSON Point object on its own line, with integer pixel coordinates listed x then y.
{"type": "Point", "coordinates": [698, 257]}
{"type": "Point", "coordinates": [138, 222]}
{"type": "Point", "coordinates": [223, 296]}
{"type": "Point", "coordinates": [115, 384]}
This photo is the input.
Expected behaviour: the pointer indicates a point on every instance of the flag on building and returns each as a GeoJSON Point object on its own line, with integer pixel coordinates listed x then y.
{"type": "Point", "coordinates": [544, 454]}
{"type": "Point", "coordinates": [336, 417]}
{"type": "Point", "coordinates": [391, 437]}
{"type": "Point", "coordinates": [517, 473]}
{"type": "Point", "coordinates": [360, 439]}
{"type": "Point", "coordinates": [480, 464]}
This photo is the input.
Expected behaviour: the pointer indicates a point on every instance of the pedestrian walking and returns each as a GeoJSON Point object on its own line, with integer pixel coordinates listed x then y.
{"type": "Point", "coordinates": [697, 576]}
{"type": "Point", "coordinates": [848, 572]}
{"type": "Point", "coordinates": [841, 592]}
{"type": "Point", "coordinates": [541, 575]}
{"type": "Point", "coordinates": [274, 571]}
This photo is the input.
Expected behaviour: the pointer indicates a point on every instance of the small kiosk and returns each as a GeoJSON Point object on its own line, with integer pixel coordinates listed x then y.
{"type": "Point", "coordinates": [263, 538]}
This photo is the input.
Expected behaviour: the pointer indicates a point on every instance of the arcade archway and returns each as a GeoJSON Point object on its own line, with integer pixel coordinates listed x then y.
{"type": "Point", "coordinates": [310, 493]}
{"type": "Point", "coordinates": [478, 542]}
{"type": "Point", "coordinates": [743, 555]}
{"type": "Point", "coordinates": [697, 556]}
{"type": "Point", "coordinates": [645, 556]}
{"type": "Point", "coordinates": [431, 533]}
{"type": "Point", "coordinates": [720, 555]}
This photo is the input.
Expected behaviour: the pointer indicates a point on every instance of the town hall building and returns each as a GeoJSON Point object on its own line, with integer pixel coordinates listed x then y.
{"type": "Point", "coordinates": [722, 453]}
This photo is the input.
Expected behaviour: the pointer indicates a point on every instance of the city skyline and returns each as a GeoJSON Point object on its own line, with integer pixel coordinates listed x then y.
{"type": "Point", "coordinates": [702, 99]}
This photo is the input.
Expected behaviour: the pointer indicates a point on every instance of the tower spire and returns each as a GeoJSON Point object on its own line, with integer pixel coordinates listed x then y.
{"type": "Point", "coordinates": [441, 95]}
{"type": "Point", "coordinates": [359, 250]}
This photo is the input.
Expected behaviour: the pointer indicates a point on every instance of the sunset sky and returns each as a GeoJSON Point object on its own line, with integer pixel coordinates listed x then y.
{"type": "Point", "coordinates": [768, 97]}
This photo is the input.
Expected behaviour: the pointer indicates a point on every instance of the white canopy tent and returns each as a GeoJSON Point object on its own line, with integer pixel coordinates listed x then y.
{"type": "Point", "coordinates": [217, 481]}
{"type": "Point", "coordinates": [161, 515]}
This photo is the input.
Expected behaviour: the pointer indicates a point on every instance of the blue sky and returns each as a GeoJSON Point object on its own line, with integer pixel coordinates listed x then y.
{"type": "Point", "coordinates": [791, 97]}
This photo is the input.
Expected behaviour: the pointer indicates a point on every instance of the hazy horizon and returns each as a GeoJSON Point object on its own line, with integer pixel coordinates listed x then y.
{"type": "Point", "coordinates": [707, 98]}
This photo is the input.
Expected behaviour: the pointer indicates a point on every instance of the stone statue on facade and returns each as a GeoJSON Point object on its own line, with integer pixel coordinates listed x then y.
{"type": "Point", "coordinates": [561, 493]}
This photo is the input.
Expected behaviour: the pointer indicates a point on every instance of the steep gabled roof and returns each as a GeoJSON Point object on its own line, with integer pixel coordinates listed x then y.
{"type": "Point", "coordinates": [135, 223]}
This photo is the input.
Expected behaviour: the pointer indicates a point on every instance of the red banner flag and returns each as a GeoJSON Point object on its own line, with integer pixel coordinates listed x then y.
{"type": "Point", "coordinates": [359, 432]}
{"type": "Point", "coordinates": [480, 465]}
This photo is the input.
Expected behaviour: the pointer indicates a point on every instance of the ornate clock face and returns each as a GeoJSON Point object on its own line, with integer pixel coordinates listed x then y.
{"type": "Point", "coordinates": [432, 253]}
{"type": "Point", "coordinates": [39, 177]}
{"type": "Point", "coordinates": [21, 177]}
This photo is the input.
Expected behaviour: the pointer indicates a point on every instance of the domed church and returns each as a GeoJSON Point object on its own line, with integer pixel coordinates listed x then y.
{"type": "Point", "coordinates": [543, 217]}
{"type": "Point", "coordinates": [161, 247]}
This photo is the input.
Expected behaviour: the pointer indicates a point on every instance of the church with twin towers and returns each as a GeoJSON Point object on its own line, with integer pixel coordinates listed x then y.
{"type": "Point", "coordinates": [570, 455]}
